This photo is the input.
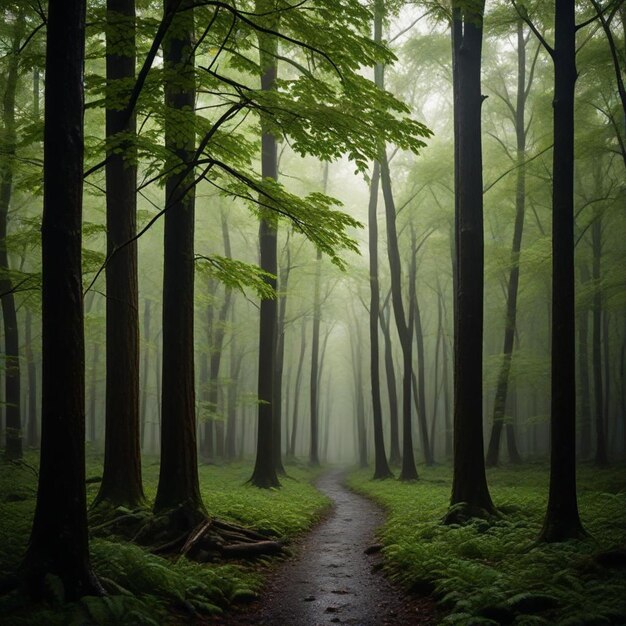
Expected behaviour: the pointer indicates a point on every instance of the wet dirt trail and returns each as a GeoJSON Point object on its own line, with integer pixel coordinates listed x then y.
{"type": "Point", "coordinates": [331, 579]}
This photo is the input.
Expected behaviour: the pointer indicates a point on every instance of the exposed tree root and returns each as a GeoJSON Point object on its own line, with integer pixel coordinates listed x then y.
{"type": "Point", "coordinates": [185, 532]}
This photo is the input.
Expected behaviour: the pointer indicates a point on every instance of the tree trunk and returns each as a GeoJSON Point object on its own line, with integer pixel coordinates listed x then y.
{"type": "Point", "coordinates": [601, 456]}
{"type": "Point", "coordinates": [405, 329]}
{"type": "Point", "coordinates": [8, 139]}
{"type": "Point", "coordinates": [280, 358]}
{"type": "Point", "coordinates": [146, 367]}
{"type": "Point", "coordinates": [32, 437]}
{"type": "Point", "coordinates": [469, 482]}
{"type": "Point", "coordinates": [493, 450]}
{"type": "Point", "coordinates": [392, 389]}
{"type": "Point", "coordinates": [416, 317]}
{"type": "Point", "coordinates": [121, 478]}
{"type": "Point", "coordinates": [231, 397]}
{"type": "Point", "coordinates": [296, 399]}
{"type": "Point", "coordinates": [583, 372]}
{"type": "Point", "coordinates": [178, 477]}
{"type": "Point", "coordinates": [315, 347]}
{"type": "Point", "coordinates": [562, 520]}
{"type": "Point", "coordinates": [264, 474]}
{"type": "Point", "coordinates": [58, 543]}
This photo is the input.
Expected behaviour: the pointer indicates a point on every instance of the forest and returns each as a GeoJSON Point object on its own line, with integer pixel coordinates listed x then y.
{"type": "Point", "coordinates": [313, 312]}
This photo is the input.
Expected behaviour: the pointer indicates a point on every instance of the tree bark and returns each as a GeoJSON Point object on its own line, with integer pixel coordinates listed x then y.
{"type": "Point", "coordinates": [392, 389]}
{"type": "Point", "coordinates": [59, 542]}
{"type": "Point", "coordinates": [121, 478]}
{"type": "Point", "coordinates": [562, 520]}
{"type": "Point", "coordinates": [469, 481]}
{"type": "Point", "coordinates": [294, 421]}
{"type": "Point", "coordinates": [178, 485]}
{"type": "Point", "coordinates": [264, 474]}
{"type": "Point", "coordinates": [315, 348]}
{"type": "Point", "coordinates": [601, 456]}
{"type": "Point", "coordinates": [583, 372]}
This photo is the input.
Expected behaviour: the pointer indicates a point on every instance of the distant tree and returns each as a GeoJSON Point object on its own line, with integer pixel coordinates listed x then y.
{"type": "Point", "coordinates": [121, 478]}
{"type": "Point", "coordinates": [8, 140]}
{"type": "Point", "coordinates": [178, 486]}
{"type": "Point", "coordinates": [315, 355]}
{"type": "Point", "coordinates": [469, 483]}
{"type": "Point", "coordinates": [518, 113]}
{"type": "Point", "coordinates": [58, 543]}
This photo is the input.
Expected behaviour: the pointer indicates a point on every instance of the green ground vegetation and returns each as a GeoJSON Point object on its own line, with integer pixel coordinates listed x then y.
{"type": "Point", "coordinates": [146, 589]}
{"type": "Point", "coordinates": [492, 571]}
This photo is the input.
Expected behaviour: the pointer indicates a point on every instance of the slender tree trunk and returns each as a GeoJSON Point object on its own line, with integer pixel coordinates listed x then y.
{"type": "Point", "coordinates": [562, 520]}
{"type": "Point", "coordinates": [58, 543]}
{"type": "Point", "coordinates": [178, 485]}
{"type": "Point", "coordinates": [8, 140]}
{"type": "Point", "coordinates": [357, 369]}
{"type": "Point", "coordinates": [601, 456]}
{"type": "Point", "coordinates": [416, 317]}
{"type": "Point", "coordinates": [146, 366]}
{"type": "Point", "coordinates": [381, 467]}
{"type": "Point", "coordinates": [315, 345]}
{"type": "Point", "coordinates": [231, 405]}
{"type": "Point", "coordinates": [446, 391]}
{"type": "Point", "coordinates": [583, 371]}
{"type": "Point", "coordinates": [296, 399]}
{"type": "Point", "coordinates": [469, 482]}
{"type": "Point", "coordinates": [405, 328]}
{"type": "Point", "coordinates": [493, 450]}
{"type": "Point", "coordinates": [392, 389]}
{"type": "Point", "coordinates": [264, 474]}
{"type": "Point", "coordinates": [121, 479]}
{"type": "Point", "coordinates": [280, 358]}
{"type": "Point", "coordinates": [32, 433]}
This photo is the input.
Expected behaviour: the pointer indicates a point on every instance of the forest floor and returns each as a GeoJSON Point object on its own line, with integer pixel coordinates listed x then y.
{"type": "Point", "coordinates": [332, 580]}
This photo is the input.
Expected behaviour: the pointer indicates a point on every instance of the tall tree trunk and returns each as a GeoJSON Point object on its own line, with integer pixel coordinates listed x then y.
{"type": "Point", "coordinates": [121, 479]}
{"type": "Point", "coordinates": [446, 389]}
{"type": "Point", "coordinates": [493, 450]}
{"type": "Point", "coordinates": [178, 485]}
{"type": "Point", "coordinates": [146, 367]}
{"type": "Point", "coordinates": [296, 399]}
{"type": "Point", "coordinates": [231, 397]}
{"type": "Point", "coordinates": [357, 370]}
{"type": "Point", "coordinates": [381, 466]}
{"type": "Point", "coordinates": [583, 372]}
{"type": "Point", "coordinates": [264, 474]}
{"type": "Point", "coordinates": [601, 456]}
{"type": "Point", "coordinates": [315, 348]}
{"type": "Point", "coordinates": [416, 317]}
{"type": "Point", "coordinates": [280, 358]}
{"type": "Point", "coordinates": [405, 328]}
{"type": "Point", "coordinates": [8, 140]}
{"type": "Point", "coordinates": [469, 482]}
{"type": "Point", "coordinates": [32, 437]}
{"type": "Point", "coordinates": [392, 389]}
{"type": "Point", "coordinates": [58, 543]}
{"type": "Point", "coordinates": [562, 520]}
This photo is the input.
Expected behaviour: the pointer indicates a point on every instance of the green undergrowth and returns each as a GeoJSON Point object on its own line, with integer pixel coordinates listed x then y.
{"type": "Point", "coordinates": [144, 588]}
{"type": "Point", "coordinates": [487, 573]}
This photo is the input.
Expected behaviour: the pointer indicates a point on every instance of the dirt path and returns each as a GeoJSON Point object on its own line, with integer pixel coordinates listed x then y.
{"type": "Point", "coordinates": [330, 581]}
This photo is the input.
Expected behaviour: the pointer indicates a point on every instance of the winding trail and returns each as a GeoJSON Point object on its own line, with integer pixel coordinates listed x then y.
{"type": "Point", "coordinates": [331, 579]}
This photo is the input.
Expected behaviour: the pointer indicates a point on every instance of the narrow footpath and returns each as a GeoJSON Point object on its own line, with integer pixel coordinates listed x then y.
{"type": "Point", "coordinates": [331, 580]}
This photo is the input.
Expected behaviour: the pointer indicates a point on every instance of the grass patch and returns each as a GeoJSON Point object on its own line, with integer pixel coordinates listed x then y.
{"type": "Point", "coordinates": [494, 573]}
{"type": "Point", "coordinates": [147, 589]}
